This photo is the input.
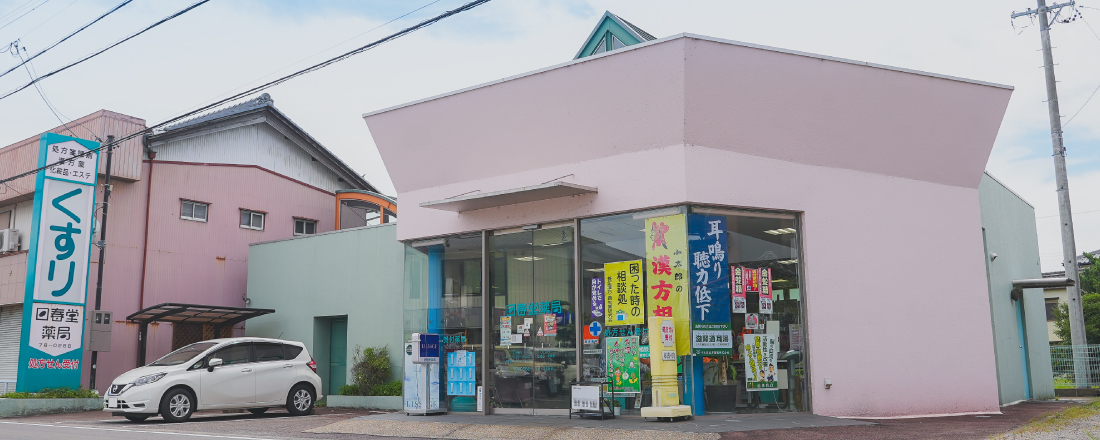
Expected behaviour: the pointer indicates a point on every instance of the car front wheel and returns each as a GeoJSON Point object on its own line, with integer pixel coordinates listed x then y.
{"type": "Point", "coordinates": [177, 405]}
{"type": "Point", "coordinates": [300, 400]}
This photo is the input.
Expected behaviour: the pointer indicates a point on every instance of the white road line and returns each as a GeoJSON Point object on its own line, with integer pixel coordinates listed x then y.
{"type": "Point", "coordinates": [141, 431]}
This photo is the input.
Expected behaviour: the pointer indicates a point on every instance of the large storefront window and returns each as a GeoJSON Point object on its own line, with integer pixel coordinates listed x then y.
{"type": "Point", "coordinates": [532, 286]}
{"type": "Point", "coordinates": [728, 279]}
{"type": "Point", "coordinates": [443, 295]}
{"type": "Point", "coordinates": [763, 247]}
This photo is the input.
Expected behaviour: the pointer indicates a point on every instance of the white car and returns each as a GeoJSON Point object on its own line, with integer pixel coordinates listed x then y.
{"type": "Point", "coordinates": [234, 373]}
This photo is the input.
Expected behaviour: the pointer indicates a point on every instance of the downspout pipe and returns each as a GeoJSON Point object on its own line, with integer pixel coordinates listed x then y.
{"type": "Point", "coordinates": [143, 333]}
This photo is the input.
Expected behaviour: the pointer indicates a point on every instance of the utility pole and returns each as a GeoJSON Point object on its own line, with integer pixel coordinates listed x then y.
{"type": "Point", "coordinates": [102, 250]}
{"type": "Point", "coordinates": [1069, 247]}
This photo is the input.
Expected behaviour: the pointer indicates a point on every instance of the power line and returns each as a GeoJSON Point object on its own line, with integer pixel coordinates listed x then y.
{"type": "Point", "coordinates": [24, 14]}
{"type": "Point", "coordinates": [318, 53]}
{"type": "Point", "coordinates": [105, 14]}
{"type": "Point", "coordinates": [177, 14]}
{"type": "Point", "coordinates": [13, 11]}
{"type": "Point", "coordinates": [48, 19]}
{"type": "Point", "coordinates": [56, 113]}
{"type": "Point", "coordinates": [318, 66]}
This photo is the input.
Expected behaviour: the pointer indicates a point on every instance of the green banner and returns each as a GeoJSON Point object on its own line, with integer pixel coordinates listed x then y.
{"type": "Point", "coordinates": [624, 365]}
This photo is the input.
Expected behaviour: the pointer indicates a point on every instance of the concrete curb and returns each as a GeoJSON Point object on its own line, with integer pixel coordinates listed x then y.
{"type": "Point", "coordinates": [365, 402]}
{"type": "Point", "coordinates": [32, 407]}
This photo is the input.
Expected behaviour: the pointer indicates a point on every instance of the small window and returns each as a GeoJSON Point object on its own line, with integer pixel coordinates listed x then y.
{"type": "Point", "coordinates": [193, 210]}
{"type": "Point", "coordinates": [600, 48]}
{"type": "Point", "coordinates": [266, 352]}
{"type": "Point", "coordinates": [252, 220]}
{"type": "Point", "coordinates": [616, 44]}
{"type": "Point", "coordinates": [1052, 305]}
{"type": "Point", "coordinates": [291, 351]}
{"type": "Point", "coordinates": [305, 227]}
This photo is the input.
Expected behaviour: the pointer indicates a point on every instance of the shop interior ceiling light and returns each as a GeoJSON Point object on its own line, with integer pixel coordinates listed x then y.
{"type": "Point", "coordinates": [529, 258]}
{"type": "Point", "coordinates": [780, 231]}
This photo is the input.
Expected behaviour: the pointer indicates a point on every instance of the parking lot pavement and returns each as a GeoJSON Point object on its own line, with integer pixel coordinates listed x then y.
{"type": "Point", "coordinates": [278, 425]}
{"type": "Point", "coordinates": [97, 425]}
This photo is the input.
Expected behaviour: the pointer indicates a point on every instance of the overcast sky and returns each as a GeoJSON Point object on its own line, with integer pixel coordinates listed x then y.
{"type": "Point", "coordinates": [226, 44]}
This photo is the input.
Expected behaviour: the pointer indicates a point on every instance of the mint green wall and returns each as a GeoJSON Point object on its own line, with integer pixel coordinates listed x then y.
{"type": "Point", "coordinates": [1009, 226]}
{"type": "Point", "coordinates": [309, 280]}
{"type": "Point", "coordinates": [601, 32]}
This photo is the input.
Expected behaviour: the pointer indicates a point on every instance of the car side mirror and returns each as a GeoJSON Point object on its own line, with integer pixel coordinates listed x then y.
{"type": "Point", "coordinates": [216, 362]}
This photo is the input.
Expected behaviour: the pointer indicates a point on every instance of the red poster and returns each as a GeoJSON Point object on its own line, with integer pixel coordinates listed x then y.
{"type": "Point", "coordinates": [752, 280]}
{"type": "Point", "coordinates": [737, 289]}
{"type": "Point", "coordinates": [765, 281]}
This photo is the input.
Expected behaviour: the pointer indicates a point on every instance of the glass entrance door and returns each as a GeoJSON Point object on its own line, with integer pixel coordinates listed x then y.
{"type": "Point", "coordinates": [532, 285]}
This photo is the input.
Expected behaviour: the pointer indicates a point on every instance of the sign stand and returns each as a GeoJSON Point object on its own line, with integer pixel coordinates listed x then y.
{"type": "Point", "coordinates": [422, 375]}
{"type": "Point", "coordinates": [666, 395]}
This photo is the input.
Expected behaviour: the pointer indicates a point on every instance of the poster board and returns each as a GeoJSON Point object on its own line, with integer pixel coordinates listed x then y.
{"type": "Point", "coordinates": [761, 372]}
{"type": "Point", "coordinates": [667, 286]}
{"type": "Point", "coordinates": [624, 364]}
{"type": "Point", "coordinates": [624, 295]}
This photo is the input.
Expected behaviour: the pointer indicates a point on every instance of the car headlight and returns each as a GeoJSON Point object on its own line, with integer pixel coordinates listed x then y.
{"type": "Point", "coordinates": [148, 379]}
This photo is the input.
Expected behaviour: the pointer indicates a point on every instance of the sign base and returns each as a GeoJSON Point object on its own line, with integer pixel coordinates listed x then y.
{"type": "Point", "coordinates": [666, 411]}
{"type": "Point", "coordinates": [424, 412]}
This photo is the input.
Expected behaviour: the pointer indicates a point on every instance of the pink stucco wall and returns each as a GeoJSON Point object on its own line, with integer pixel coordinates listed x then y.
{"type": "Point", "coordinates": [190, 262]}
{"type": "Point", "coordinates": [884, 164]}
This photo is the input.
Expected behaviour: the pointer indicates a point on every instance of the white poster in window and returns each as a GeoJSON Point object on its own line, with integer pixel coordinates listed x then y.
{"type": "Point", "coordinates": [752, 321]}
{"type": "Point", "coordinates": [761, 373]}
{"type": "Point", "coordinates": [796, 336]}
{"type": "Point", "coordinates": [505, 330]}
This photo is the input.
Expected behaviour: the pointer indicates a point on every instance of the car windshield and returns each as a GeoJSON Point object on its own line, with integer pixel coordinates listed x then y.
{"type": "Point", "coordinates": [183, 355]}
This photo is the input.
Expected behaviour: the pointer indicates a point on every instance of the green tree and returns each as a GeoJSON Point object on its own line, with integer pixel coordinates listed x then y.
{"type": "Point", "coordinates": [1090, 302]}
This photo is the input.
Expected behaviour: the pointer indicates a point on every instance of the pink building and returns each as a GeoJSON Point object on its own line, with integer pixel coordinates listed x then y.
{"type": "Point", "coordinates": [854, 184]}
{"type": "Point", "coordinates": [187, 202]}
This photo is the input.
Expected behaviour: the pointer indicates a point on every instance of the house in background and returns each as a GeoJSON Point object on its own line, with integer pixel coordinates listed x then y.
{"type": "Point", "coordinates": [187, 201]}
{"type": "Point", "coordinates": [1058, 295]}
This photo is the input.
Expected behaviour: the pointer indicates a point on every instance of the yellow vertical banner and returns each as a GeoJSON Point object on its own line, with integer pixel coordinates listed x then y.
{"type": "Point", "coordinates": [624, 295]}
{"type": "Point", "coordinates": [666, 252]}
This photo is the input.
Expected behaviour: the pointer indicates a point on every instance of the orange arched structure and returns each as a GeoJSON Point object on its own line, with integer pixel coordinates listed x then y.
{"type": "Point", "coordinates": [356, 208]}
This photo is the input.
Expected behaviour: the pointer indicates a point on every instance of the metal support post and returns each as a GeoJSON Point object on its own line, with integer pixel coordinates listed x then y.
{"type": "Point", "coordinates": [102, 252]}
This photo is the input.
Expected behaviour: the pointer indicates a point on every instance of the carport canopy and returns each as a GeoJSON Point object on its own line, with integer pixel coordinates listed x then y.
{"type": "Point", "coordinates": [219, 316]}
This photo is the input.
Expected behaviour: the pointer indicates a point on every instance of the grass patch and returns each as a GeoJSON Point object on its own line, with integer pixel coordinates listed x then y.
{"type": "Point", "coordinates": [1061, 419]}
{"type": "Point", "coordinates": [54, 393]}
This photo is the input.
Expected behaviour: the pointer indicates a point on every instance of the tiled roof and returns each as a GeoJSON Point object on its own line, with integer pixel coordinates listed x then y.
{"type": "Point", "coordinates": [638, 30]}
{"type": "Point", "coordinates": [1081, 262]}
{"type": "Point", "coordinates": [252, 104]}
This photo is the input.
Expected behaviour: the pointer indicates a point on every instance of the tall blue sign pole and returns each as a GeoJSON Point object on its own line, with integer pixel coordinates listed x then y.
{"type": "Point", "coordinates": [52, 342]}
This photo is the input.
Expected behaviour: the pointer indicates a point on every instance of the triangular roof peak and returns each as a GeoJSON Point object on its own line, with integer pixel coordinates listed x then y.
{"type": "Point", "coordinates": [612, 32]}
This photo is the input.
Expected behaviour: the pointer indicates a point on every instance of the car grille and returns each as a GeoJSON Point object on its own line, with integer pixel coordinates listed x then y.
{"type": "Point", "coordinates": [116, 389]}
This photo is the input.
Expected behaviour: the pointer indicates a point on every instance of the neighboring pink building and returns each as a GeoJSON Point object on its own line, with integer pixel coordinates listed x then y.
{"type": "Point", "coordinates": [187, 202]}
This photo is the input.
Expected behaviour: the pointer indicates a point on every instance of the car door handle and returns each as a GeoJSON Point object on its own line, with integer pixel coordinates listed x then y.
{"type": "Point", "coordinates": [246, 370]}
{"type": "Point", "coordinates": [287, 366]}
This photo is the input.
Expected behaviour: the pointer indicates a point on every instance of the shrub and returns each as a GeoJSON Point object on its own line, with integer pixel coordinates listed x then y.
{"type": "Point", "coordinates": [370, 368]}
{"type": "Point", "coordinates": [387, 389]}
{"type": "Point", "coordinates": [54, 393]}
{"type": "Point", "coordinates": [349, 390]}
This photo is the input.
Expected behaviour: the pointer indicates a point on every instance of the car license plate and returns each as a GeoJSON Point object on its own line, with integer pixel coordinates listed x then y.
{"type": "Point", "coordinates": [112, 402]}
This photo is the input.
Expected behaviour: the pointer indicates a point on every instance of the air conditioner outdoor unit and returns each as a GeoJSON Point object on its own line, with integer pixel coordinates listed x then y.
{"type": "Point", "coordinates": [9, 240]}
